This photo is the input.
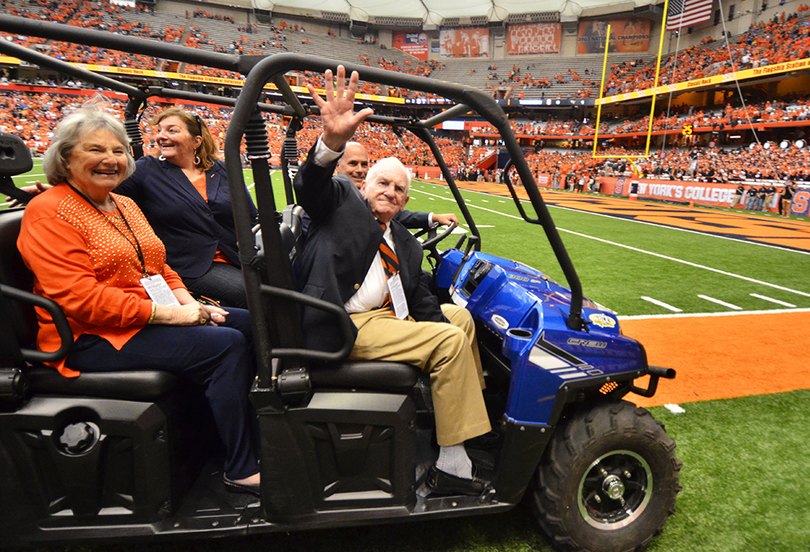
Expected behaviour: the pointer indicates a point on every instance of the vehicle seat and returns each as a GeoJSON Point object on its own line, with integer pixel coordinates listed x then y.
{"type": "Point", "coordinates": [137, 386]}
{"type": "Point", "coordinates": [376, 375]}
{"type": "Point", "coordinates": [292, 232]}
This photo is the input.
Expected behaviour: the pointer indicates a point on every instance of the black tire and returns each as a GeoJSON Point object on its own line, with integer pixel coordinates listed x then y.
{"type": "Point", "coordinates": [608, 480]}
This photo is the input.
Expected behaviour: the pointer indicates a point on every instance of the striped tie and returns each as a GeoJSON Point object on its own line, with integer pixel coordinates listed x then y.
{"type": "Point", "coordinates": [390, 264]}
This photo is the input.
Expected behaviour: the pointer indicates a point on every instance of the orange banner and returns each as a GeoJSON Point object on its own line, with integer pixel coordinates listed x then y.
{"type": "Point", "coordinates": [784, 67]}
{"type": "Point", "coordinates": [533, 38]}
{"type": "Point", "coordinates": [718, 194]}
{"type": "Point", "coordinates": [472, 42]}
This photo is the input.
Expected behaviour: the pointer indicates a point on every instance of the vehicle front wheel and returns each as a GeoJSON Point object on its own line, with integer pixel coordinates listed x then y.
{"type": "Point", "coordinates": [608, 480]}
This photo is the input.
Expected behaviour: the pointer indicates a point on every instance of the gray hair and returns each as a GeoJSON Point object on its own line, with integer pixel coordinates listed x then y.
{"type": "Point", "coordinates": [390, 163]}
{"type": "Point", "coordinates": [71, 130]}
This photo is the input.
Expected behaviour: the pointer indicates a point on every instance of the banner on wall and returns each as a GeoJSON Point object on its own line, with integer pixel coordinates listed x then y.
{"type": "Point", "coordinates": [800, 206]}
{"type": "Point", "coordinates": [472, 42]}
{"type": "Point", "coordinates": [627, 34]}
{"type": "Point", "coordinates": [700, 193]}
{"type": "Point", "coordinates": [203, 78]}
{"type": "Point", "coordinates": [533, 38]}
{"type": "Point", "coordinates": [703, 193]}
{"type": "Point", "coordinates": [415, 44]}
{"type": "Point", "coordinates": [784, 67]}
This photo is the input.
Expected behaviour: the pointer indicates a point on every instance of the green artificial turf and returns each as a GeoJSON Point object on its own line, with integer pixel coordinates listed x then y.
{"type": "Point", "coordinates": [744, 476]}
{"type": "Point", "coordinates": [617, 277]}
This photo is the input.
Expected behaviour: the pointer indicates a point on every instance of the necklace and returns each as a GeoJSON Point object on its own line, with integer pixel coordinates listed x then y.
{"type": "Point", "coordinates": [136, 245]}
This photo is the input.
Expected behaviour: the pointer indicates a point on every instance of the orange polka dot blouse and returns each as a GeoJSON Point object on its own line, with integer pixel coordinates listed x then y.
{"type": "Point", "coordinates": [87, 262]}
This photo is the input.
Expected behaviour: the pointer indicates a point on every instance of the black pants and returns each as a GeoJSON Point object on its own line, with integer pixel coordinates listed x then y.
{"type": "Point", "coordinates": [219, 358]}
{"type": "Point", "coordinates": [224, 283]}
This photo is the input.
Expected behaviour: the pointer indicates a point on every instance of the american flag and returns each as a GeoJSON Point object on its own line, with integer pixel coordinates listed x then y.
{"type": "Point", "coordinates": [685, 13]}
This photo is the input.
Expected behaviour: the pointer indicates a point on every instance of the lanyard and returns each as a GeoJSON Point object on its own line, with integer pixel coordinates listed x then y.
{"type": "Point", "coordinates": [136, 245]}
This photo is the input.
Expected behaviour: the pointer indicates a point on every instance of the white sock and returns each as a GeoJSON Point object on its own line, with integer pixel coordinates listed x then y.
{"type": "Point", "coordinates": [454, 460]}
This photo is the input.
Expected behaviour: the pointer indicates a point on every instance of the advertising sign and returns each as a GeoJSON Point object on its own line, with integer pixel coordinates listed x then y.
{"type": "Point", "coordinates": [631, 34]}
{"type": "Point", "coordinates": [415, 44]}
{"type": "Point", "coordinates": [471, 42]}
{"type": "Point", "coordinates": [533, 38]}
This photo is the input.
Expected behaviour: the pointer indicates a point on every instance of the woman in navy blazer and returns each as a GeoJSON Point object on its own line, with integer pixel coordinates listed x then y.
{"type": "Point", "coordinates": [185, 196]}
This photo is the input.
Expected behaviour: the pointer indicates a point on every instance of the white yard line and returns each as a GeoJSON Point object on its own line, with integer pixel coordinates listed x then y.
{"type": "Point", "coordinates": [721, 303]}
{"type": "Point", "coordinates": [705, 314]}
{"type": "Point", "coordinates": [661, 304]}
{"type": "Point", "coordinates": [772, 300]}
{"type": "Point", "coordinates": [688, 263]}
{"type": "Point", "coordinates": [659, 255]}
{"type": "Point", "coordinates": [738, 240]}
{"type": "Point", "coordinates": [698, 232]}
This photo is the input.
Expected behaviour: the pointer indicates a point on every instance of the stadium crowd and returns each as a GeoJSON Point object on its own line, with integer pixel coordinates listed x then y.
{"type": "Point", "coordinates": [32, 116]}
{"type": "Point", "coordinates": [785, 37]}
{"type": "Point", "coordinates": [782, 38]}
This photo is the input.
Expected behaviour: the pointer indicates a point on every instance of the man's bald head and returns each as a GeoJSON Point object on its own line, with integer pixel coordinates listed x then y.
{"type": "Point", "coordinates": [354, 163]}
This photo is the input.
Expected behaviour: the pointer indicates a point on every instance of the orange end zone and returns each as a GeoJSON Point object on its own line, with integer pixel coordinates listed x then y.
{"type": "Point", "coordinates": [722, 357]}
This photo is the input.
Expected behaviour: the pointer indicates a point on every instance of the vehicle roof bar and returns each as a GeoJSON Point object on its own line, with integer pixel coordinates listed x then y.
{"type": "Point", "coordinates": [113, 41]}
{"type": "Point", "coordinates": [272, 67]}
{"type": "Point", "coordinates": [43, 60]}
{"type": "Point", "coordinates": [446, 115]}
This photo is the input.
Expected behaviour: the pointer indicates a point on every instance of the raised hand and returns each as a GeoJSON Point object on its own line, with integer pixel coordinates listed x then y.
{"type": "Point", "coordinates": [337, 111]}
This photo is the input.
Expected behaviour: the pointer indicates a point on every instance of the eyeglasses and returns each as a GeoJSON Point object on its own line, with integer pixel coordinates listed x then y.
{"type": "Point", "coordinates": [199, 122]}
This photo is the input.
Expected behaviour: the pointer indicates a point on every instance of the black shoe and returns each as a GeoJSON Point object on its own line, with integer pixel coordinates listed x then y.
{"type": "Point", "coordinates": [235, 487]}
{"type": "Point", "coordinates": [443, 483]}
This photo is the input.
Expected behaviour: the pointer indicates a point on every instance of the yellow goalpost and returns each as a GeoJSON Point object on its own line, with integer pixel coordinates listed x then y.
{"type": "Point", "coordinates": [652, 103]}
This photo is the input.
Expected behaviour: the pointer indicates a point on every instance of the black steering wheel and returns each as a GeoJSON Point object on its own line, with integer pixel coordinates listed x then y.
{"type": "Point", "coordinates": [433, 238]}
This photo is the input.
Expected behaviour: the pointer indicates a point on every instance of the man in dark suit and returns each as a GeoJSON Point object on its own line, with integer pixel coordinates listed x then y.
{"type": "Point", "coordinates": [358, 257]}
{"type": "Point", "coordinates": [354, 163]}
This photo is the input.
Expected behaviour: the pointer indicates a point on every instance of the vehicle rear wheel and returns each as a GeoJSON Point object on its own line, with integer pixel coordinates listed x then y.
{"type": "Point", "coordinates": [608, 480]}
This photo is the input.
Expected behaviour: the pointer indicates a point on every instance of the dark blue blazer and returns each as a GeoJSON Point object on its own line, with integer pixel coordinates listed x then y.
{"type": "Point", "coordinates": [191, 229]}
{"type": "Point", "coordinates": [415, 220]}
{"type": "Point", "coordinates": [343, 239]}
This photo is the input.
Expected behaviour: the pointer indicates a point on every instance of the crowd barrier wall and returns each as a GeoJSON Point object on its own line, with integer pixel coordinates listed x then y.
{"type": "Point", "coordinates": [696, 193]}
{"type": "Point", "coordinates": [714, 194]}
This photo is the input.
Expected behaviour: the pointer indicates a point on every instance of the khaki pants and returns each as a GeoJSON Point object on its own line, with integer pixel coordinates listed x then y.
{"type": "Point", "coordinates": [448, 352]}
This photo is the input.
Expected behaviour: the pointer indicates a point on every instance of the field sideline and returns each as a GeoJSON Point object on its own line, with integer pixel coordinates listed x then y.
{"type": "Point", "coordinates": [741, 331]}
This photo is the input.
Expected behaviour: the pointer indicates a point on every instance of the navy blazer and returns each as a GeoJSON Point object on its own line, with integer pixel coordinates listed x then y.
{"type": "Point", "coordinates": [191, 229]}
{"type": "Point", "coordinates": [415, 220]}
{"type": "Point", "coordinates": [342, 242]}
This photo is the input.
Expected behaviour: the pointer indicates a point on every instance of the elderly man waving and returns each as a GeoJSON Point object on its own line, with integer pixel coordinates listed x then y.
{"type": "Point", "coordinates": [357, 256]}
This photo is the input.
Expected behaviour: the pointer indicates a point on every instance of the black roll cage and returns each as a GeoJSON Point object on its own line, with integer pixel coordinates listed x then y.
{"type": "Point", "coordinates": [274, 322]}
